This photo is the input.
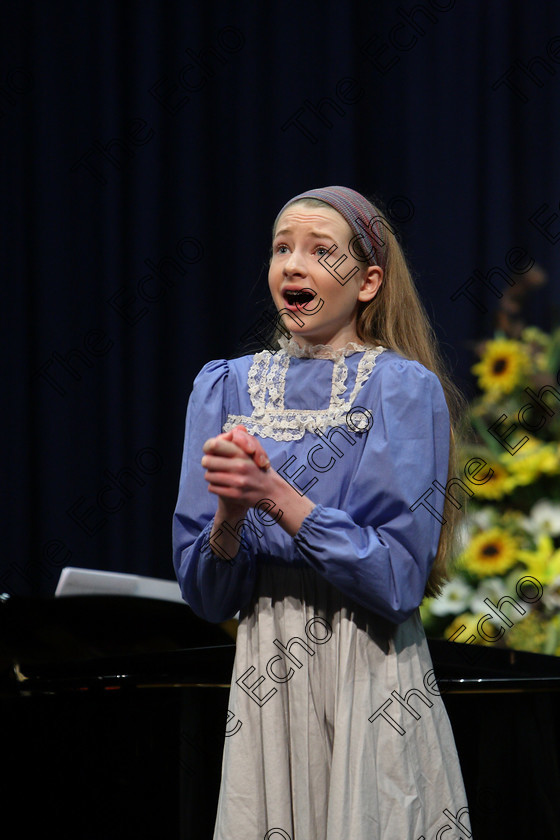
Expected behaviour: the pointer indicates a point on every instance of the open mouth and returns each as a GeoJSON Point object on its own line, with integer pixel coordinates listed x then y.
{"type": "Point", "coordinates": [298, 297]}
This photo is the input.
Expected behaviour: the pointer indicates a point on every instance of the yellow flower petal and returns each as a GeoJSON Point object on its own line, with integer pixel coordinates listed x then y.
{"type": "Point", "coordinates": [490, 553]}
{"type": "Point", "coordinates": [503, 366]}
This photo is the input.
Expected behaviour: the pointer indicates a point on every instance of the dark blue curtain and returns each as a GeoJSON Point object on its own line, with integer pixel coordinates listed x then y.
{"type": "Point", "coordinates": [146, 148]}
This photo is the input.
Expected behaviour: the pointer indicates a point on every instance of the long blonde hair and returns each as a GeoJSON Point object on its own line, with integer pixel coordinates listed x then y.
{"type": "Point", "coordinates": [397, 319]}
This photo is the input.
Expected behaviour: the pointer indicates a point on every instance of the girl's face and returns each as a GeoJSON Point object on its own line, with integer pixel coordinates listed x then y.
{"type": "Point", "coordinates": [327, 314]}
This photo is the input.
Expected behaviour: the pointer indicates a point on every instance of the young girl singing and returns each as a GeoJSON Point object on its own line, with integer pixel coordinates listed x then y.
{"type": "Point", "coordinates": [305, 505]}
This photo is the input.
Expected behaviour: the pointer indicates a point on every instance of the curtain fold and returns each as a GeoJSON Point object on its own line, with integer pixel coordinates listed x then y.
{"type": "Point", "coordinates": [146, 148]}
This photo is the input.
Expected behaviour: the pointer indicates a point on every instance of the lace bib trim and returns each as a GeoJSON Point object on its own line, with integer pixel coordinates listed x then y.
{"type": "Point", "coordinates": [266, 383]}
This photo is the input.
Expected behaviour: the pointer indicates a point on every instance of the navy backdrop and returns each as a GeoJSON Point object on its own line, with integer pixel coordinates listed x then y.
{"type": "Point", "coordinates": [146, 148]}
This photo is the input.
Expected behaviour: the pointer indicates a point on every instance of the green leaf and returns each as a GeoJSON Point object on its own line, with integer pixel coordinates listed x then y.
{"type": "Point", "coordinates": [490, 441]}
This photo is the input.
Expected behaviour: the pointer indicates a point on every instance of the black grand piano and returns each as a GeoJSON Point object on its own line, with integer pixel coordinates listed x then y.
{"type": "Point", "coordinates": [114, 711]}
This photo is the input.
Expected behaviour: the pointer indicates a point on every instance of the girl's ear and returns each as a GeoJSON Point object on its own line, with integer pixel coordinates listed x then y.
{"type": "Point", "coordinates": [371, 281]}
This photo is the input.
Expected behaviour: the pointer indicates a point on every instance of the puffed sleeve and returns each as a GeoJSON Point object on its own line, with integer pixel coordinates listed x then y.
{"type": "Point", "coordinates": [215, 588]}
{"type": "Point", "coordinates": [379, 550]}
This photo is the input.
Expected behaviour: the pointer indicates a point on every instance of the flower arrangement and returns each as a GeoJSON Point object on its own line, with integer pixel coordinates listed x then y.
{"type": "Point", "coordinates": [511, 531]}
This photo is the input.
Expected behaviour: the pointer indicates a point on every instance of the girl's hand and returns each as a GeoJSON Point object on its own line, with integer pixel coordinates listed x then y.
{"type": "Point", "coordinates": [249, 444]}
{"type": "Point", "coordinates": [232, 474]}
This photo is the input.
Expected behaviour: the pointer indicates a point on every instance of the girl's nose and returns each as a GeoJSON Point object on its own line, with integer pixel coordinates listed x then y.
{"type": "Point", "coordinates": [295, 264]}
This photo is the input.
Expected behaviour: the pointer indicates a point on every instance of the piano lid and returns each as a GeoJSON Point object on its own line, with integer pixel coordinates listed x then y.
{"type": "Point", "coordinates": [53, 644]}
{"type": "Point", "coordinates": [36, 631]}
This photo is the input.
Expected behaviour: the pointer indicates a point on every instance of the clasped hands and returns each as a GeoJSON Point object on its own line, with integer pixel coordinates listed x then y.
{"type": "Point", "coordinates": [238, 471]}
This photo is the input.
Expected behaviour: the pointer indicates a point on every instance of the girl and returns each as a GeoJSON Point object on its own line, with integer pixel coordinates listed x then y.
{"type": "Point", "coordinates": [323, 456]}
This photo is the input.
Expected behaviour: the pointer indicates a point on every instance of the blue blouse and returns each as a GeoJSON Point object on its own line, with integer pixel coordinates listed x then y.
{"type": "Point", "coordinates": [361, 432]}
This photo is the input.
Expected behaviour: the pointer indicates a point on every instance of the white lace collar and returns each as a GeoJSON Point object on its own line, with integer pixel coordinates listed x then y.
{"type": "Point", "coordinates": [266, 384]}
{"type": "Point", "coordinates": [322, 351]}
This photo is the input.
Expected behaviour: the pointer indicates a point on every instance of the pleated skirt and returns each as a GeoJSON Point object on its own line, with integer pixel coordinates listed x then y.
{"type": "Point", "coordinates": [335, 725]}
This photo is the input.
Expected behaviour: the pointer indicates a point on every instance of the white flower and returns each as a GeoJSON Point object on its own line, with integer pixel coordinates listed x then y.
{"type": "Point", "coordinates": [474, 521]}
{"type": "Point", "coordinates": [493, 588]}
{"type": "Point", "coordinates": [482, 518]}
{"type": "Point", "coordinates": [453, 599]}
{"type": "Point", "coordinates": [543, 519]}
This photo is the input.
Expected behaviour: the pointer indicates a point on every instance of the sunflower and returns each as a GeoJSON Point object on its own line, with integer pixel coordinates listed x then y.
{"type": "Point", "coordinates": [490, 553]}
{"type": "Point", "coordinates": [503, 365]}
{"type": "Point", "coordinates": [497, 485]}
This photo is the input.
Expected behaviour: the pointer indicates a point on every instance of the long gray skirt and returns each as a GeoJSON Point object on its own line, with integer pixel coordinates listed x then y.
{"type": "Point", "coordinates": [335, 725]}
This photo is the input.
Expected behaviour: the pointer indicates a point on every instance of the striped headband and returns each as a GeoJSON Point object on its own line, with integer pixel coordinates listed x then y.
{"type": "Point", "coordinates": [363, 218]}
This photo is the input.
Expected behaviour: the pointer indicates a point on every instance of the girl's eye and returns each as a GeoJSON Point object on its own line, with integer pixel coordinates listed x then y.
{"type": "Point", "coordinates": [281, 249]}
{"type": "Point", "coordinates": [321, 250]}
